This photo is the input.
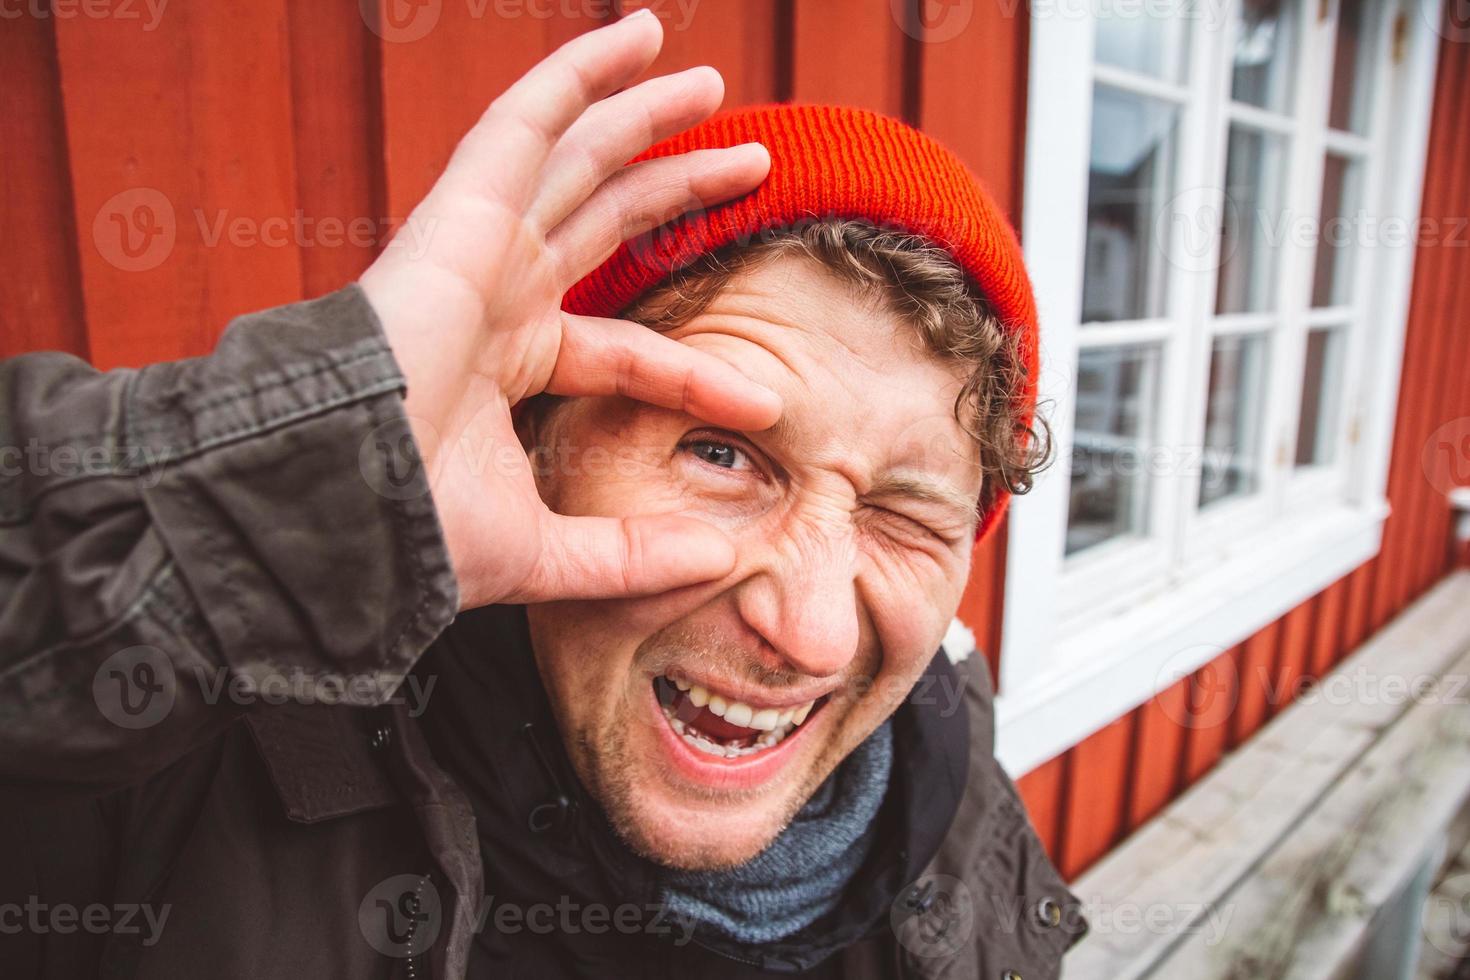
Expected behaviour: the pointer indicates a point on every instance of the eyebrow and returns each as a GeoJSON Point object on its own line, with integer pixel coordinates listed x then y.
{"type": "Point", "coordinates": [942, 494]}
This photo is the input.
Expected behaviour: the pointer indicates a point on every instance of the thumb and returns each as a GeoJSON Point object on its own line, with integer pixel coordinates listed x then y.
{"type": "Point", "coordinates": [608, 557]}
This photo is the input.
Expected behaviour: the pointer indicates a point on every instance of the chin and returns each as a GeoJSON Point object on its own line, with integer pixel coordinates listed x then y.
{"type": "Point", "coordinates": [709, 774]}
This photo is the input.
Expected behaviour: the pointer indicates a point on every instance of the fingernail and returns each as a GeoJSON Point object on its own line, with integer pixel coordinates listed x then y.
{"type": "Point", "coordinates": [640, 12]}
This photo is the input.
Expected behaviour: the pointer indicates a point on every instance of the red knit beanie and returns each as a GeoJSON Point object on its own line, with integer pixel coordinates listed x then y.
{"type": "Point", "coordinates": [835, 162]}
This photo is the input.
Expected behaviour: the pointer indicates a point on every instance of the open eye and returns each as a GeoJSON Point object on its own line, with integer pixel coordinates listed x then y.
{"type": "Point", "coordinates": [717, 452]}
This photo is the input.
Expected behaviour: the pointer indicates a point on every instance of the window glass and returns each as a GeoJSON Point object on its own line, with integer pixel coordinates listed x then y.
{"type": "Point", "coordinates": [1265, 54]}
{"type": "Point", "coordinates": [1252, 221]}
{"type": "Point", "coordinates": [1352, 69]}
{"type": "Point", "coordinates": [1235, 400]}
{"type": "Point", "coordinates": [1130, 181]}
{"type": "Point", "coordinates": [1316, 434]}
{"type": "Point", "coordinates": [1116, 393]}
{"type": "Point", "coordinates": [1337, 231]}
{"type": "Point", "coordinates": [1132, 37]}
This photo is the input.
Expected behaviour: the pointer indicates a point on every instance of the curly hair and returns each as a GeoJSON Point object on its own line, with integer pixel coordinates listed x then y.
{"type": "Point", "coordinates": [925, 287]}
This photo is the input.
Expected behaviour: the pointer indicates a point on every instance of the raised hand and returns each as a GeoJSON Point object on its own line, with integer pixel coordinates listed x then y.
{"type": "Point", "coordinates": [535, 196]}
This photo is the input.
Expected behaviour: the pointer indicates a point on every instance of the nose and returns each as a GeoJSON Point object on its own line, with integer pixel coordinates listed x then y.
{"type": "Point", "coordinates": [802, 595]}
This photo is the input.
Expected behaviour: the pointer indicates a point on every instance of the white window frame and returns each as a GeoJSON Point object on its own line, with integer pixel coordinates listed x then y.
{"type": "Point", "coordinates": [1090, 637]}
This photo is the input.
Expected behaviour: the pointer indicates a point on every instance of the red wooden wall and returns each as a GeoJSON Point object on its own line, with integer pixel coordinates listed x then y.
{"type": "Point", "coordinates": [219, 115]}
{"type": "Point", "coordinates": [226, 140]}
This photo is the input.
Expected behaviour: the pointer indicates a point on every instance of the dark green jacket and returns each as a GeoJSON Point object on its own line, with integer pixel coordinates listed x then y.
{"type": "Point", "coordinates": [216, 576]}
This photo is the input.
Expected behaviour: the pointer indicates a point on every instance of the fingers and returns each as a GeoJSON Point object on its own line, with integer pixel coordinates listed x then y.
{"type": "Point", "coordinates": [615, 130]}
{"type": "Point", "coordinates": [645, 195]}
{"type": "Point", "coordinates": [605, 557]}
{"type": "Point", "coordinates": [617, 357]}
{"type": "Point", "coordinates": [504, 152]}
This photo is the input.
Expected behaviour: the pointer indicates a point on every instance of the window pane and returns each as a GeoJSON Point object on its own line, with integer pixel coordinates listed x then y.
{"type": "Point", "coordinates": [1331, 282]}
{"type": "Point", "coordinates": [1352, 69]}
{"type": "Point", "coordinates": [1252, 223]}
{"type": "Point", "coordinates": [1116, 391]}
{"type": "Point", "coordinates": [1151, 42]}
{"type": "Point", "coordinates": [1265, 54]}
{"type": "Point", "coordinates": [1316, 433]}
{"type": "Point", "coordinates": [1131, 178]}
{"type": "Point", "coordinates": [1233, 418]}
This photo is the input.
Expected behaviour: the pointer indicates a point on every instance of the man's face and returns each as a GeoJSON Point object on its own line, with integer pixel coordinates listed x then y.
{"type": "Point", "coordinates": [852, 519]}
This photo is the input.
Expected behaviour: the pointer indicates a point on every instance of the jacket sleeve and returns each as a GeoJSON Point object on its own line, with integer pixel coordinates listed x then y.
{"type": "Point", "coordinates": [182, 543]}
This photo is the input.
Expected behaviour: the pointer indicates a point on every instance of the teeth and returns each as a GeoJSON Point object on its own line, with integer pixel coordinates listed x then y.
{"type": "Point", "coordinates": [766, 719]}
{"type": "Point", "coordinates": [763, 741]}
{"type": "Point", "coordinates": [739, 713]}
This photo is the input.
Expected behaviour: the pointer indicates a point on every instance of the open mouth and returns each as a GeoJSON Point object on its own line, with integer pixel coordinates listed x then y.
{"type": "Point", "coordinates": [725, 729]}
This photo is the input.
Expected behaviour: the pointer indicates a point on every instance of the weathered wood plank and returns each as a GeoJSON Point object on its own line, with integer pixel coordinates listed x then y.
{"type": "Point", "coordinates": [1211, 839]}
{"type": "Point", "coordinates": [1308, 907]}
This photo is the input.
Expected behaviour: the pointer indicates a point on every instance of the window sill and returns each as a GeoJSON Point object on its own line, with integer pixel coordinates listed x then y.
{"type": "Point", "coordinates": [1102, 670]}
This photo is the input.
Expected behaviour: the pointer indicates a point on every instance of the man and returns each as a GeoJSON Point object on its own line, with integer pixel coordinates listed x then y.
{"type": "Point", "coordinates": [690, 718]}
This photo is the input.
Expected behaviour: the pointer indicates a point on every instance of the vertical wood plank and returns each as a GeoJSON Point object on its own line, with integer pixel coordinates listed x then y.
{"type": "Point", "coordinates": [336, 125]}
{"type": "Point", "coordinates": [1256, 669]}
{"type": "Point", "coordinates": [735, 36]}
{"type": "Point", "coordinates": [40, 293]}
{"type": "Point", "coordinates": [865, 69]}
{"type": "Point", "coordinates": [1096, 795]}
{"type": "Point", "coordinates": [1291, 658]}
{"type": "Point", "coordinates": [972, 60]}
{"type": "Point", "coordinates": [1327, 634]}
{"type": "Point", "coordinates": [1355, 625]}
{"type": "Point", "coordinates": [1159, 739]}
{"type": "Point", "coordinates": [183, 215]}
{"type": "Point", "coordinates": [443, 66]}
{"type": "Point", "coordinates": [1214, 694]}
{"type": "Point", "coordinates": [1041, 791]}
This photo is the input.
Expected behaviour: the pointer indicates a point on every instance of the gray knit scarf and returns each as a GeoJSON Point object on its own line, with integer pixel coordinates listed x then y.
{"type": "Point", "coordinates": [802, 874]}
